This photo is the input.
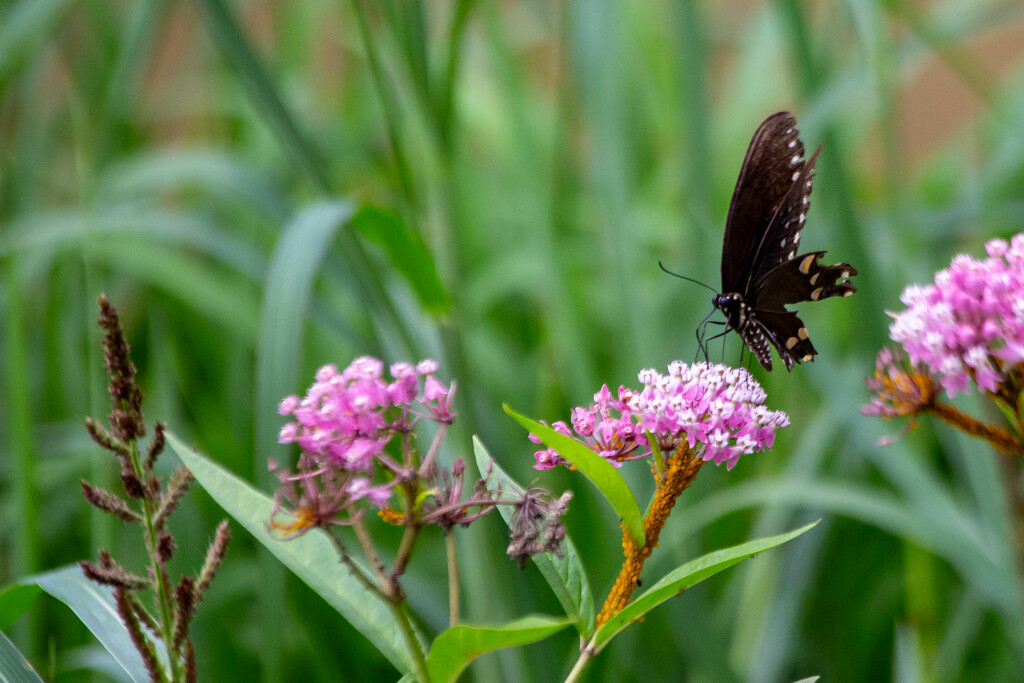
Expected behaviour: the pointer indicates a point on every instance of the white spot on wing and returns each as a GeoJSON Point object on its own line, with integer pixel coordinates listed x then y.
{"type": "Point", "coordinates": [805, 265]}
{"type": "Point", "coordinates": [816, 293]}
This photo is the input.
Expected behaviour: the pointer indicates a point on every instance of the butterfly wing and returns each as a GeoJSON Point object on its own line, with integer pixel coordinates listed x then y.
{"type": "Point", "coordinates": [799, 279]}
{"type": "Point", "coordinates": [782, 237]}
{"type": "Point", "coordinates": [802, 278]}
{"type": "Point", "coordinates": [771, 169]}
{"type": "Point", "coordinates": [787, 333]}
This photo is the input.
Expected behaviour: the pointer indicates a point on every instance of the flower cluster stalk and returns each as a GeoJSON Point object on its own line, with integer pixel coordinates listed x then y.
{"type": "Point", "coordinates": [683, 467]}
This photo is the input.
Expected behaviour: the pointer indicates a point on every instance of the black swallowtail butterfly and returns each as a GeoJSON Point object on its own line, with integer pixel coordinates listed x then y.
{"type": "Point", "coordinates": [761, 270]}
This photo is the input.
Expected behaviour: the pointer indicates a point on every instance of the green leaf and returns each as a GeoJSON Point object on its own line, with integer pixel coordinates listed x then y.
{"type": "Point", "coordinates": [266, 95]}
{"type": "Point", "coordinates": [14, 668]}
{"type": "Point", "coordinates": [454, 649]}
{"type": "Point", "coordinates": [94, 605]}
{"type": "Point", "coordinates": [599, 471]}
{"type": "Point", "coordinates": [312, 557]}
{"type": "Point", "coordinates": [683, 577]}
{"type": "Point", "coordinates": [15, 601]}
{"type": "Point", "coordinates": [406, 250]}
{"type": "Point", "coordinates": [565, 574]}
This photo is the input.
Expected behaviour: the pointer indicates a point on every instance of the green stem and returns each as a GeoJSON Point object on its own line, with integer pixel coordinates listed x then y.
{"type": "Point", "coordinates": [400, 610]}
{"type": "Point", "coordinates": [163, 591]}
{"type": "Point", "coordinates": [453, 577]}
{"type": "Point", "coordinates": [388, 105]}
{"type": "Point", "coordinates": [586, 654]}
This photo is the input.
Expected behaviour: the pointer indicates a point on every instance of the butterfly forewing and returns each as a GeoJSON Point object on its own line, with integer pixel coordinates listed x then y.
{"type": "Point", "coordinates": [781, 240]}
{"type": "Point", "coordinates": [764, 182]}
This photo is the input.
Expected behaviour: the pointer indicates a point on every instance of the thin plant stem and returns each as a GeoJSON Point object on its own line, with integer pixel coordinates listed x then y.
{"type": "Point", "coordinates": [163, 591]}
{"type": "Point", "coordinates": [412, 532]}
{"type": "Point", "coordinates": [586, 654]}
{"type": "Point", "coordinates": [353, 567]}
{"type": "Point", "coordinates": [369, 551]}
{"type": "Point", "coordinates": [453, 577]}
{"type": "Point", "coordinates": [434, 448]}
{"type": "Point", "coordinates": [400, 610]}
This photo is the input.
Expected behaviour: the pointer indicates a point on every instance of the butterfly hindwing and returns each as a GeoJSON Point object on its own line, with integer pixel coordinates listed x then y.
{"type": "Point", "coordinates": [765, 180]}
{"type": "Point", "coordinates": [787, 333]}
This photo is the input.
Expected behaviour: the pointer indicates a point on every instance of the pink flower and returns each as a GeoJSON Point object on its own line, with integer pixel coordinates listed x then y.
{"type": "Point", "coordinates": [714, 405]}
{"type": "Point", "coordinates": [347, 418]}
{"type": "Point", "coordinates": [969, 324]}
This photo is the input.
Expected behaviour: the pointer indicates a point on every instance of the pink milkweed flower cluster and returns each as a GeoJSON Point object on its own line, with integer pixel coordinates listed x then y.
{"type": "Point", "coordinates": [347, 418]}
{"type": "Point", "coordinates": [343, 426]}
{"type": "Point", "coordinates": [969, 324]}
{"type": "Point", "coordinates": [718, 407]}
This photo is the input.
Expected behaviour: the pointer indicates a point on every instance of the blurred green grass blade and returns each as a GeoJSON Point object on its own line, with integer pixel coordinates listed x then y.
{"type": "Point", "coordinates": [407, 251]}
{"type": "Point", "coordinates": [286, 301]}
{"type": "Point", "coordinates": [446, 94]}
{"type": "Point", "coordinates": [15, 601]}
{"type": "Point", "coordinates": [389, 104]}
{"type": "Point", "coordinates": [23, 23]}
{"type": "Point", "coordinates": [599, 471]}
{"type": "Point", "coordinates": [287, 290]}
{"type": "Point", "coordinates": [965, 547]}
{"type": "Point", "coordinates": [94, 606]}
{"type": "Point", "coordinates": [311, 557]}
{"type": "Point", "coordinates": [687, 575]}
{"type": "Point", "coordinates": [59, 231]}
{"type": "Point", "coordinates": [14, 668]}
{"type": "Point", "coordinates": [218, 174]}
{"type": "Point", "coordinates": [229, 39]}
{"type": "Point", "coordinates": [224, 299]}
{"type": "Point", "coordinates": [453, 650]}
{"type": "Point", "coordinates": [565, 575]}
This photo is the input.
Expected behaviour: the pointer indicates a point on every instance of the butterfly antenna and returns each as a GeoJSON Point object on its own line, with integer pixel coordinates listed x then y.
{"type": "Point", "coordinates": [683, 277]}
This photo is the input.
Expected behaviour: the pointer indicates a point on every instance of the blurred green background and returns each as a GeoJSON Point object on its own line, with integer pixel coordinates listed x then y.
{"type": "Point", "coordinates": [200, 163]}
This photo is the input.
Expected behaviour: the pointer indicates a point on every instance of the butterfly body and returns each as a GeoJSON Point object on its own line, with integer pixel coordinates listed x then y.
{"type": "Point", "coordinates": [762, 270]}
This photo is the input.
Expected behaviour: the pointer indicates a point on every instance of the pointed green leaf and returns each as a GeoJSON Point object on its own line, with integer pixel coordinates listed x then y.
{"type": "Point", "coordinates": [454, 649]}
{"type": "Point", "coordinates": [14, 668]}
{"type": "Point", "coordinates": [599, 471]}
{"type": "Point", "coordinates": [564, 574]}
{"type": "Point", "coordinates": [311, 557]}
{"type": "Point", "coordinates": [406, 250]}
{"type": "Point", "coordinates": [683, 577]}
{"type": "Point", "coordinates": [94, 605]}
